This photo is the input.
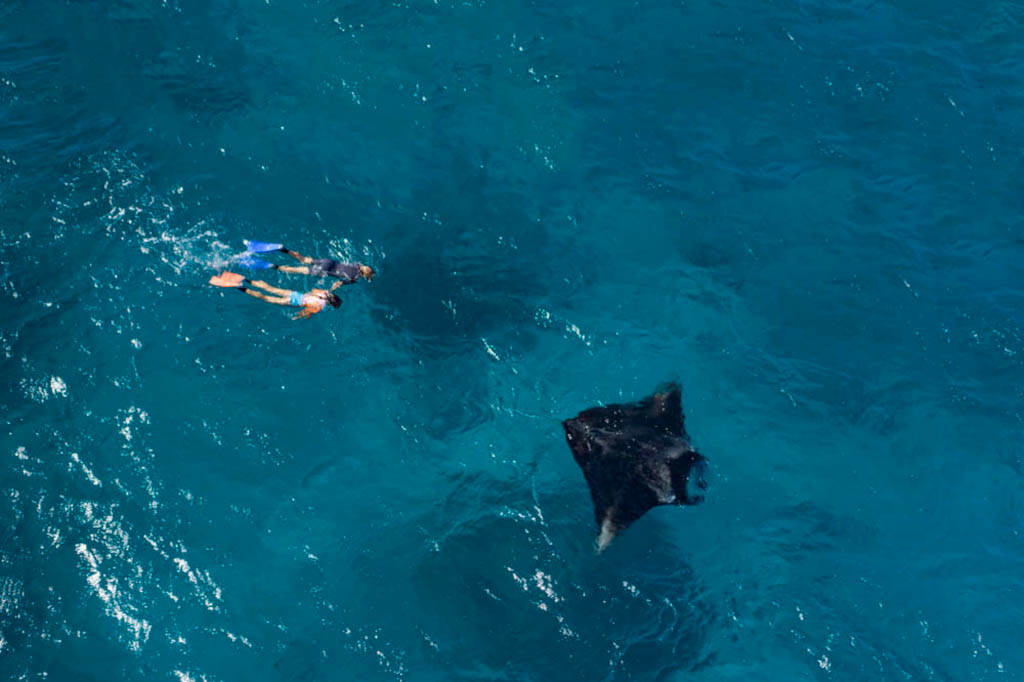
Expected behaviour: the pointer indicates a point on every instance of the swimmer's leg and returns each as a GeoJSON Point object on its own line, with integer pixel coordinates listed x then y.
{"type": "Point", "coordinates": [297, 256]}
{"type": "Point", "coordinates": [294, 269]}
{"type": "Point", "coordinates": [277, 300]}
{"type": "Point", "coordinates": [260, 284]}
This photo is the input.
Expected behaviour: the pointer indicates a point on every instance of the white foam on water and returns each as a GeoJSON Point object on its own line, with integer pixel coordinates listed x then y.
{"type": "Point", "coordinates": [545, 583]}
{"type": "Point", "coordinates": [107, 589]}
{"type": "Point", "coordinates": [58, 387]}
{"type": "Point", "coordinates": [88, 472]}
{"type": "Point", "coordinates": [490, 350]}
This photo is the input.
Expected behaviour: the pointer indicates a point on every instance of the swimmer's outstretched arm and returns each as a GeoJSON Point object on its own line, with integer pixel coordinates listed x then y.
{"type": "Point", "coordinates": [306, 313]}
{"type": "Point", "coordinates": [297, 256]}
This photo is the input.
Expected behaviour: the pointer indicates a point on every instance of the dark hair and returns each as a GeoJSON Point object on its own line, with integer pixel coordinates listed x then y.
{"type": "Point", "coordinates": [334, 300]}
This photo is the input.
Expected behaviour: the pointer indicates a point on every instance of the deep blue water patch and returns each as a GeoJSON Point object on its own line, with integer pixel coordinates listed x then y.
{"type": "Point", "coordinates": [806, 212]}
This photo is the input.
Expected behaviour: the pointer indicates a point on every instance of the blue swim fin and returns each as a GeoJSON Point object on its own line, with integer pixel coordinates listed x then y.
{"type": "Point", "coordinates": [253, 263]}
{"type": "Point", "coordinates": [261, 247]}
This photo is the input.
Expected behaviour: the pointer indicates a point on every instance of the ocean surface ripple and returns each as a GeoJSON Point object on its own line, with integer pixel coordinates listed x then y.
{"type": "Point", "coordinates": [806, 212]}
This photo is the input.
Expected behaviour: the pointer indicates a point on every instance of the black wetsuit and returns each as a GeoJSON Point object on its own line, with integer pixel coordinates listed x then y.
{"type": "Point", "coordinates": [325, 267]}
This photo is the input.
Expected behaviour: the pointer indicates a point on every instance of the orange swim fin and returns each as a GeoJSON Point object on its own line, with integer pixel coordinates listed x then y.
{"type": "Point", "coordinates": [230, 280]}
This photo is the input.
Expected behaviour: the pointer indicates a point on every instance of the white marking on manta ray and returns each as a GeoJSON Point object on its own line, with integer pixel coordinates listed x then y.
{"type": "Point", "coordinates": [607, 533]}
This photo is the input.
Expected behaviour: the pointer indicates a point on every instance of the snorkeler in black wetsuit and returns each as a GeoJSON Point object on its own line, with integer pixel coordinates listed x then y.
{"type": "Point", "coordinates": [347, 273]}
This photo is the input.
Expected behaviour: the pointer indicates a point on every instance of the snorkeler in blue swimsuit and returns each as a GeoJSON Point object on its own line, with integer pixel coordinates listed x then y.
{"type": "Point", "coordinates": [311, 302]}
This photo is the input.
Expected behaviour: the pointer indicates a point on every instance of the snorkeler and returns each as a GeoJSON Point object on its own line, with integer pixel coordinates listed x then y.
{"type": "Point", "coordinates": [311, 302]}
{"type": "Point", "coordinates": [347, 273]}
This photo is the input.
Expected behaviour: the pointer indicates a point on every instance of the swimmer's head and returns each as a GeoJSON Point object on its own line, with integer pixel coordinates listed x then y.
{"type": "Point", "coordinates": [367, 272]}
{"type": "Point", "coordinates": [333, 299]}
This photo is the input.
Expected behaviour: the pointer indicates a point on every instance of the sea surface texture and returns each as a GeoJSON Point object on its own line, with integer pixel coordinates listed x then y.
{"type": "Point", "coordinates": [808, 212]}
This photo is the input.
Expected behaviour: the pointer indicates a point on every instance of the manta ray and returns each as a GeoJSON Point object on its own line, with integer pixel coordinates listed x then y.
{"type": "Point", "coordinates": [635, 457]}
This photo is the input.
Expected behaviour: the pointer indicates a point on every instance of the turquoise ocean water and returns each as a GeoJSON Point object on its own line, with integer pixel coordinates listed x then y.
{"type": "Point", "coordinates": [807, 212]}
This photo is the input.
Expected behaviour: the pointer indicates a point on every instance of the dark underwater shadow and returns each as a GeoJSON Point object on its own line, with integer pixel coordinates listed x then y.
{"type": "Point", "coordinates": [197, 89]}
{"type": "Point", "coordinates": [498, 582]}
{"type": "Point", "coordinates": [462, 277]}
{"type": "Point", "coordinates": [475, 267]}
{"type": "Point", "coordinates": [515, 590]}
